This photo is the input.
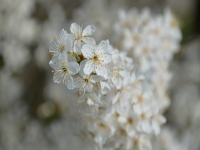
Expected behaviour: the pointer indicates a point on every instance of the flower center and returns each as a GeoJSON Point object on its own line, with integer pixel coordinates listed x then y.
{"type": "Point", "coordinates": [130, 121]}
{"type": "Point", "coordinates": [116, 73]}
{"type": "Point", "coordinates": [80, 37]}
{"type": "Point", "coordinates": [101, 125]}
{"type": "Point", "coordinates": [62, 48]}
{"type": "Point", "coordinates": [145, 50]}
{"type": "Point", "coordinates": [86, 80]}
{"type": "Point", "coordinates": [143, 116]}
{"type": "Point", "coordinates": [136, 37]}
{"type": "Point", "coordinates": [140, 99]}
{"type": "Point", "coordinates": [122, 132]}
{"type": "Point", "coordinates": [64, 69]}
{"type": "Point", "coordinates": [95, 58]}
{"type": "Point", "coordinates": [136, 141]}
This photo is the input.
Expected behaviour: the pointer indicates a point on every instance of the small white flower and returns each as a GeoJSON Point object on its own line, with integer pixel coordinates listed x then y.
{"type": "Point", "coordinates": [144, 113]}
{"type": "Point", "coordinates": [104, 86]}
{"type": "Point", "coordinates": [116, 77]}
{"type": "Point", "coordinates": [58, 45]}
{"type": "Point", "coordinates": [132, 38]}
{"type": "Point", "coordinates": [141, 98]}
{"type": "Point", "coordinates": [82, 35]}
{"type": "Point", "coordinates": [172, 25]}
{"type": "Point", "coordinates": [129, 119]}
{"type": "Point", "coordinates": [143, 50]}
{"type": "Point", "coordinates": [141, 142]}
{"type": "Point", "coordinates": [116, 57]}
{"type": "Point", "coordinates": [90, 99]}
{"type": "Point", "coordinates": [87, 83]}
{"type": "Point", "coordinates": [157, 118]}
{"type": "Point", "coordinates": [120, 137]}
{"type": "Point", "coordinates": [63, 69]}
{"type": "Point", "coordinates": [101, 131]}
{"type": "Point", "coordinates": [97, 58]}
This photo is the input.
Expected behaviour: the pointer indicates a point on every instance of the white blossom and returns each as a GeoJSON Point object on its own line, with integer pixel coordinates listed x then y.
{"type": "Point", "coordinates": [80, 35]}
{"type": "Point", "coordinates": [60, 44]}
{"type": "Point", "coordinates": [119, 99]}
{"type": "Point", "coordinates": [64, 69]}
{"type": "Point", "coordinates": [97, 58]}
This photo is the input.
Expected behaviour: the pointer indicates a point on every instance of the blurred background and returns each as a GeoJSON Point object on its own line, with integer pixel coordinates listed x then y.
{"type": "Point", "coordinates": [30, 114]}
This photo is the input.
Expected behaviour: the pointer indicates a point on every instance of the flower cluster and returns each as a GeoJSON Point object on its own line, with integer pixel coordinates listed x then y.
{"type": "Point", "coordinates": [151, 40]}
{"type": "Point", "coordinates": [110, 99]}
{"type": "Point", "coordinates": [121, 108]}
{"type": "Point", "coordinates": [83, 65]}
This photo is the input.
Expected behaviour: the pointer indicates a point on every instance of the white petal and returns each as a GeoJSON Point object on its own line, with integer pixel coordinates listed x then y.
{"type": "Point", "coordinates": [89, 40]}
{"type": "Point", "coordinates": [116, 57]}
{"type": "Point", "coordinates": [68, 44]}
{"type": "Point", "coordinates": [122, 119]}
{"type": "Point", "coordinates": [75, 29]}
{"type": "Point", "coordinates": [101, 70]}
{"type": "Point", "coordinates": [102, 46]}
{"type": "Point", "coordinates": [89, 67]}
{"type": "Point", "coordinates": [54, 62]}
{"type": "Point", "coordinates": [88, 50]}
{"type": "Point", "coordinates": [106, 58]}
{"type": "Point", "coordinates": [55, 46]}
{"type": "Point", "coordinates": [156, 127]}
{"type": "Point", "coordinates": [90, 102]}
{"type": "Point", "coordinates": [63, 56]}
{"type": "Point", "coordinates": [72, 37]}
{"type": "Point", "coordinates": [58, 79]}
{"type": "Point", "coordinates": [63, 34]}
{"type": "Point", "coordinates": [70, 58]}
{"type": "Point", "coordinates": [137, 109]}
{"type": "Point", "coordinates": [77, 82]}
{"type": "Point", "coordinates": [96, 78]}
{"type": "Point", "coordinates": [70, 83]}
{"type": "Point", "coordinates": [89, 30]}
{"type": "Point", "coordinates": [73, 68]}
{"type": "Point", "coordinates": [77, 47]}
{"type": "Point", "coordinates": [99, 139]}
{"type": "Point", "coordinates": [104, 85]}
{"type": "Point", "coordinates": [82, 65]}
{"type": "Point", "coordinates": [95, 98]}
{"type": "Point", "coordinates": [162, 119]}
{"type": "Point", "coordinates": [115, 99]}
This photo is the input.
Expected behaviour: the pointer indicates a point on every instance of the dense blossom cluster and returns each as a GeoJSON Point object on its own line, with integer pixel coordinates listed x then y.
{"type": "Point", "coordinates": [151, 40]}
{"type": "Point", "coordinates": [112, 97]}
{"type": "Point", "coordinates": [119, 103]}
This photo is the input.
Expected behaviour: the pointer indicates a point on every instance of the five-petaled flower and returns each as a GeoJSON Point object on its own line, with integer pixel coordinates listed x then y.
{"type": "Point", "coordinates": [97, 58]}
